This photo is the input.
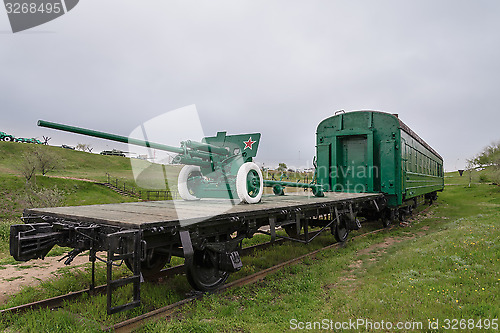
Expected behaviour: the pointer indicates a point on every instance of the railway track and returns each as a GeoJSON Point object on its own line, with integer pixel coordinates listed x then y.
{"type": "Point", "coordinates": [165, 312]}
{"type": "Point", "coordinates": [57, 301]}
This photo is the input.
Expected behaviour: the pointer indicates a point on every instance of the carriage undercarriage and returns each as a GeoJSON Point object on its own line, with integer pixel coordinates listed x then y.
{"type": "Point", "coordinates": [147, 235]}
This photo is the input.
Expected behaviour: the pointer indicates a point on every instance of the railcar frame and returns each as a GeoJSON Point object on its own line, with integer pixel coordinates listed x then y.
{"type": "Point", "coordinates": [147, 234]}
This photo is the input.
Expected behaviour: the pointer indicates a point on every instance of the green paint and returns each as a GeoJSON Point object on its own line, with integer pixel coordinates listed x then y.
{"type": "Point", "coordinates": [218, 157]}
{"type": "Point", "coordinates": [366, 151]}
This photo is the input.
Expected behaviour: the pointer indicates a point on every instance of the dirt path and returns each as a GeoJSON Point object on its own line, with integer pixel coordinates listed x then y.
{"type": "Point", "coordinates": [14, 277]}
{"type": "Point", "coordinates": [73, 178]}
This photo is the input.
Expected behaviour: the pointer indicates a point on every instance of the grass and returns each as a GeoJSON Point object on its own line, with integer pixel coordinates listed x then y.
{"type": "Point", "coordinates": [13, 190]}
{"type": "Point", "coordinates": [444, 265]}
{"type": "Point", "coordinates": [74, 193]}
{"type": "Point", "coordinates": [75, 164]}
{"type": "Point", "coordinates": [78, 164]}
{"type": "Point", "coordinates": [71, 162]}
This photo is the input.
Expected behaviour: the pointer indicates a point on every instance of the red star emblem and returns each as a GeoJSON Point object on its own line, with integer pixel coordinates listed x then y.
{"type": "Point", "coordinates": [249, 143]}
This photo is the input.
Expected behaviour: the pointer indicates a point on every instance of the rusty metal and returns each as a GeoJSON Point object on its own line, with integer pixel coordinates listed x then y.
{"type": "Point", "coordinates": [55, 302]}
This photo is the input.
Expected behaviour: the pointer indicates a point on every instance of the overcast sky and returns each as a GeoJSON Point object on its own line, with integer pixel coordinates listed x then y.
{"type": "Point", "coordinates": [275, 67]}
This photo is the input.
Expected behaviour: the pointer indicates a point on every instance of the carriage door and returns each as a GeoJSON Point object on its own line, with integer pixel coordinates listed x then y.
{"type": "Point", "coordinates": [354, 163]}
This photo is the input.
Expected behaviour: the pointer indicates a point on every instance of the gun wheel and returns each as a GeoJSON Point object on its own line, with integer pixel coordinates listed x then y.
{"type": "Point", "coordinates": [187, 182]}
{"type": "Point", "coordinates": [249, 183]}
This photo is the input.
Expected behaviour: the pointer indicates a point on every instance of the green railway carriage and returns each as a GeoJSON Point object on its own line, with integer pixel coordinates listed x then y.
{"type": "Point", "coordinates": [375, 152]}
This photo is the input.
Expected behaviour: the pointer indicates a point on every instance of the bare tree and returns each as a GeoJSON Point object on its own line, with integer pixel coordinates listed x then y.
{"type": "Point", "coordinates": [81, 146]}
{"type": "Point", "coordinates": [84, 147]}
{"type": "Point", "coordinates": [46, 139]}
{"type": "Point", "coordinates": [46, 160]}
{"type": "Point", "coordinates": [471, 165]}
{"type": "Point", "coordinates": [43, 197]}
{"type": "Point", "coordinates": [28, 165]}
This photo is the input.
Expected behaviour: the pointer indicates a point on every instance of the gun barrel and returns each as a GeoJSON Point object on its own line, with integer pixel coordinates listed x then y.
{"type": "Point", "coordinates": [207, 148]}
{"type": "Point", "coordinates": [108, 136]}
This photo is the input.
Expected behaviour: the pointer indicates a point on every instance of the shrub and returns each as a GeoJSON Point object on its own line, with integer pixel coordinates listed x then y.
{"type": "Point", "coordinates": [483, 178]}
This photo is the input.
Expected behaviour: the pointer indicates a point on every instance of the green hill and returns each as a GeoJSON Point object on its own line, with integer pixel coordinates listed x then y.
{"type": "Point", "coordinates": [65, 181]}
{"type": "Point", "coordinates": [72, 163]}
{"type": "Point", "coordinates": [71, 183]}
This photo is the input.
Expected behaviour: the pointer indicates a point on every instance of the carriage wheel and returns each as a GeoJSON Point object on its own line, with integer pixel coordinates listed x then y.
{"type": "Point", "coordinates": [402, 214]}
{"type": "Point", "coordinates": [152, 265]}
{"type": "Point", "coordinates": [188, 181]}
{"type": "Point", "coordinates": [388, 217]}
{"type": "Point", "coordinates": [249, 183]}
{"type": "Point", "coordinates": [340, 231]}
{"type": "Point", "coordinates": [202, 274]}
{"type": "Point", "coordinates": [291, 230]}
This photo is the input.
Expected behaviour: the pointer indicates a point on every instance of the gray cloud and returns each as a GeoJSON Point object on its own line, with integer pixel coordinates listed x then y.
{"type": "Point", "coordinates": [277, 67]}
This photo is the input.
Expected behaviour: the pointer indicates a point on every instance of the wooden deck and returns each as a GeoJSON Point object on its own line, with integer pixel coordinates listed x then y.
{"type": "Point", "coordinates": [157, 213]}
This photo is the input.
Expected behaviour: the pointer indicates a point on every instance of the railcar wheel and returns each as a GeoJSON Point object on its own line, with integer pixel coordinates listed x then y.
{"type": "Point", "coordinates": [341, 232]}
{"type": "Point", "coordinates": [431, 197]}
{"type": "Point", "coordinates": [249, 183]}
{"type": "Point", "coordinates": [388, 217]}
{"type": "Point", "coordinates": [187, 182]}
{"type": "Point", "coordinates": [202, 274]}
{"type": "Point", "coordinates": [152, 265]}
{"type": "Point", "coordinates": [402, 215]}
{"type": "Point", "coordinates": [291, 230]}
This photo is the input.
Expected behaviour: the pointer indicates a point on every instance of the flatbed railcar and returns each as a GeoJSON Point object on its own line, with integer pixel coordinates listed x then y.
{"type": "Point", "coordinates": [147, 234]}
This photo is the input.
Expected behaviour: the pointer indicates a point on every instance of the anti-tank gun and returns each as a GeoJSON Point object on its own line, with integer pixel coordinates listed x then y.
{"type": "Point", "coordinates": [218, 167]}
